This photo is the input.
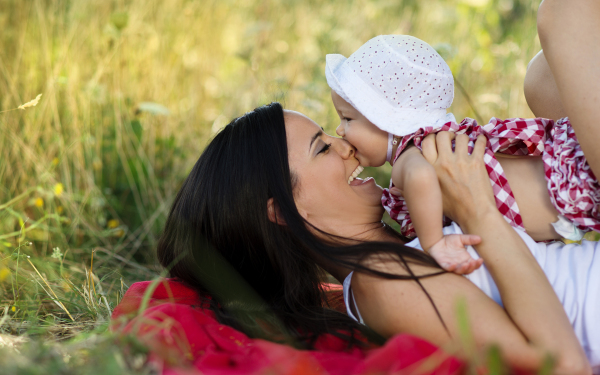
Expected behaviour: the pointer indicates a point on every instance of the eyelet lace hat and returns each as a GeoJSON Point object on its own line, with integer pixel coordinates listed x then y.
{"type": "Point", "coordinates": [398, 82]}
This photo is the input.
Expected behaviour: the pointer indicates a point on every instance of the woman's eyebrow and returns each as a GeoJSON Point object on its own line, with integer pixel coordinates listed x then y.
{"type": "Point", "coordinates": [314, 137]}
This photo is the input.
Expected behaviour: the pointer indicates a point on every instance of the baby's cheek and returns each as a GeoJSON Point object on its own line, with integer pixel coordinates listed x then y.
{"type": "Point", "coordinates": [370, 159]}
{"type": "Point", "coordinates": [369, 149]}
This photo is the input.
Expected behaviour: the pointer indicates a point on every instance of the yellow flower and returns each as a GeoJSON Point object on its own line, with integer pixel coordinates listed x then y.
{"type": "Point", "coordinates": [113, 223]}
{"type": "Point", "coordinates": [4, 273]}
{"type": "Point", "coordinates": [13, 309]}
{"type": "Point", "coordinates": [39, 202]}
{"type": "Point", "coordinates": [55, 162]}
{"type": "Point", "coordinates": [58, 189]}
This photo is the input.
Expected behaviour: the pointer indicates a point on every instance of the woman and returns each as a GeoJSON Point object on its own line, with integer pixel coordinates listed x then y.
{"type": "Point", "coordinates": [269, 199]}
{"type": "Point", "coordinates": [255, 216]}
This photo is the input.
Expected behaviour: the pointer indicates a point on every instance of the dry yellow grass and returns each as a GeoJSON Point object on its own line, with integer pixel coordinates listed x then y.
{"type": "Point", "coordinates": [133, 89]}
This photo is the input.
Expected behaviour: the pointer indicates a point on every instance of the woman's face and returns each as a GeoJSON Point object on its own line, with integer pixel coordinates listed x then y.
{"type": "Point", "coordinates": [323, 165]}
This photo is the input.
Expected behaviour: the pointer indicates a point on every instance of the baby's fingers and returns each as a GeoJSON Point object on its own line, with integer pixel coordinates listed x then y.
{"type": "Point", "coordinates": [468, 266]}
{"type": "Point", "coordinates": [450, 267]}
{"type": "Point", "coordinates": [463, 268]}
{"type": "Point", "coordinates": [473, 265]}
{"type": "Point", "coordinates": [479, 263]}
{"type": "Point", "coordinates": [470, 239]}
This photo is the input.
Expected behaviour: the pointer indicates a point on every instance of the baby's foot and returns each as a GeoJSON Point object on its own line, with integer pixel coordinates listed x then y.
{"type": "Point", "coordinates": [451, 255]}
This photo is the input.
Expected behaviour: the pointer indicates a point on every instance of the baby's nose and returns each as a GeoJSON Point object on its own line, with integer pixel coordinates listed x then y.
{"type": "Point", "coordinates": [340, 130]}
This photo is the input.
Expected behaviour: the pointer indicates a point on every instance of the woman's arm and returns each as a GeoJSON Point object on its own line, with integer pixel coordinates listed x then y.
{"type": "Point", "coordinates": [533, 322]}
{"type": "Point", "coordinates": [527, 295]}
{"type": "Point", "coordinates": [391, 306]}
{"type": "Point", "coordinates": [570, 36]}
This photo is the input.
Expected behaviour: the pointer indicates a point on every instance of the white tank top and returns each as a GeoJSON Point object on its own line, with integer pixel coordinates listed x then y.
{"type": "Point", "coordinates": [573, 271]}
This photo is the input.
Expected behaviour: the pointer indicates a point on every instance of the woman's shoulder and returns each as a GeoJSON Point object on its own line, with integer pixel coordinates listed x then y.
{"type": "Point", "coordinates": [390, 306]}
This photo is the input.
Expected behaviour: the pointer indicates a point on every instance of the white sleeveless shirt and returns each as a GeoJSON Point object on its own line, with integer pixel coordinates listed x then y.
{"type": "Point", "coordinates": [573, 271]}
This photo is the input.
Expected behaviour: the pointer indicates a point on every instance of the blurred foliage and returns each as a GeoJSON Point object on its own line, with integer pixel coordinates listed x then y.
{"type": "Point", "coordinates": [91, 354]}
{"type": "Point", "coordinates": [134, 89]}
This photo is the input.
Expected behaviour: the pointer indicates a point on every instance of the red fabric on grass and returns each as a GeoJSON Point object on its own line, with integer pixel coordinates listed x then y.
{"type": "Point", "coordinates": [185, 338]}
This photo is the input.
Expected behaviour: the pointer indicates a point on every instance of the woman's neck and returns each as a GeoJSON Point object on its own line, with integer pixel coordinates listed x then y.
{"type": "Point", "coordinates": [377, 232]}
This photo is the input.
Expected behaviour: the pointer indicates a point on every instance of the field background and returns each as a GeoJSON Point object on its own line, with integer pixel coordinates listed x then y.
{"type": "Point", "coordinates": [133, 91]}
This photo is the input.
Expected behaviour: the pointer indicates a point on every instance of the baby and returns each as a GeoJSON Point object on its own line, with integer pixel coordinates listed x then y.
{"type": "Point", "coordinates": [396, 89]}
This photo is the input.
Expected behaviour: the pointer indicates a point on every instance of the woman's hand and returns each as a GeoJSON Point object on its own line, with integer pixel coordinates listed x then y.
{"type": "Point", "coordinates": [463, 178]}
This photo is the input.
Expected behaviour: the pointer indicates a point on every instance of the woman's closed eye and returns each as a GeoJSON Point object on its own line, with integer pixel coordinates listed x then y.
{"type": "Point", "coordinates": [325, 148]}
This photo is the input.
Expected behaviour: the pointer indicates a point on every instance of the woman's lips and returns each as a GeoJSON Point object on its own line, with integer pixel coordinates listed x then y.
{"type": "Point", "coordinates": [359, 181]}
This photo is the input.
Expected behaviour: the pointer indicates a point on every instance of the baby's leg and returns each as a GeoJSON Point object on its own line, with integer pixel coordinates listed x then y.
{"type": "Point", "coordinates": [569, 31]}
{"type": "Point", "coordinates": [541, 92]}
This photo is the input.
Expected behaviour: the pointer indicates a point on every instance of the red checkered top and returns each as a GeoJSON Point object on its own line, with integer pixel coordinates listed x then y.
{"type": "Point", "coordinates": [572, 186]}
{"type": "Point", "coordinates": [515, 136]}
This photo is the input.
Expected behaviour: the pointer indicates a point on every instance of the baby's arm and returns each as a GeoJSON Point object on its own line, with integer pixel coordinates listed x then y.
{"type": "Point", "coordinates": [417, 180]}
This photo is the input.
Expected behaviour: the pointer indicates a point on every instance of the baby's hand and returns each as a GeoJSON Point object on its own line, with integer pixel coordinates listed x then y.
{"type": "Point", "coordinates": [451, 254]}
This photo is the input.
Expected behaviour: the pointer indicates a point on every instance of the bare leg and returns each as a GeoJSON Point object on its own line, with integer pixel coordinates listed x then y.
{"type": "Point", "coordinates": [541, 92]}
{"type": "Point", "coordinates": [569, 31]}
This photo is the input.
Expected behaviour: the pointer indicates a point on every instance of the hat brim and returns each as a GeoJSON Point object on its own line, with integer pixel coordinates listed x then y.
{"type": "Point", "coordinates": [333, 62]}
{"type": "Point", "coordinates": [398, 121]}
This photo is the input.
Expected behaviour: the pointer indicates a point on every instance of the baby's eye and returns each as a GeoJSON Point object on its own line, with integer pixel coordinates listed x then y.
{"type": "Point", "coordinates": [347, 119]}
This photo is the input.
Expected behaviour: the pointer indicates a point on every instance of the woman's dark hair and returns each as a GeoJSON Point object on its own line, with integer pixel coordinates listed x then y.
{"type": "Point", "coordinates": [218, 238]}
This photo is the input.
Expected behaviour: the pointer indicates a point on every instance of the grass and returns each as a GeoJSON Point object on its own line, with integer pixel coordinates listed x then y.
{"type": "Point", "coordinates": [132, 91]}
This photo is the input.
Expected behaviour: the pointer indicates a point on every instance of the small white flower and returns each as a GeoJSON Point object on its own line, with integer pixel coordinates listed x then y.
{"type": "Point", "coordinates": [56, 253]}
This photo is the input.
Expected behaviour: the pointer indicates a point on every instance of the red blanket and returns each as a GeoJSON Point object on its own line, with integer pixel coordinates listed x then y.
{"type": "Point", "coordinates": [185, 338]}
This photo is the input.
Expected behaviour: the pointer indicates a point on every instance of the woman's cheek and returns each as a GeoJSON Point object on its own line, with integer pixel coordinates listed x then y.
{"type": "Point", "coordinates": [332, 177]}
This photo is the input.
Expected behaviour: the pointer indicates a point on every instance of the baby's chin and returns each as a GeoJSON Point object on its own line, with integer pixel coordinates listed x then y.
{"type": "Point", "coordinates": [373, 165]}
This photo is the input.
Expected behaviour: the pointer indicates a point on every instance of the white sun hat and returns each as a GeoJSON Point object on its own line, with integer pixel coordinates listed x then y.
{"type": "Point", "coordinates": [398, 82]}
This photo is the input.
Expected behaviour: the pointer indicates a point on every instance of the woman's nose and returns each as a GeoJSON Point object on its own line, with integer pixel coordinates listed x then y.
{"type": "Point", "coordinates": [343, 148]}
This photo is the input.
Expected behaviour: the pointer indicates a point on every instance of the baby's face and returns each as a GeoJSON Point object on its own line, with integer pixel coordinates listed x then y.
{"type": "Point", "coordinates": [370, 141]}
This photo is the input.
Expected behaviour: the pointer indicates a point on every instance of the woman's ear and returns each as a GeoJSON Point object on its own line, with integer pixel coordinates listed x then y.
{"type": "Point", "coordinates": [274, 212]}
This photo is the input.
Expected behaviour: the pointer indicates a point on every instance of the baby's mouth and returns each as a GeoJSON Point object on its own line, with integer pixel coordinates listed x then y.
{"type": "Point", "coordinates": [355, 174]}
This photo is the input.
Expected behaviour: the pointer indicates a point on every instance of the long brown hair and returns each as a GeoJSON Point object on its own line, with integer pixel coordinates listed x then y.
{"type": "Point", "coordinates": [218, 238]}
